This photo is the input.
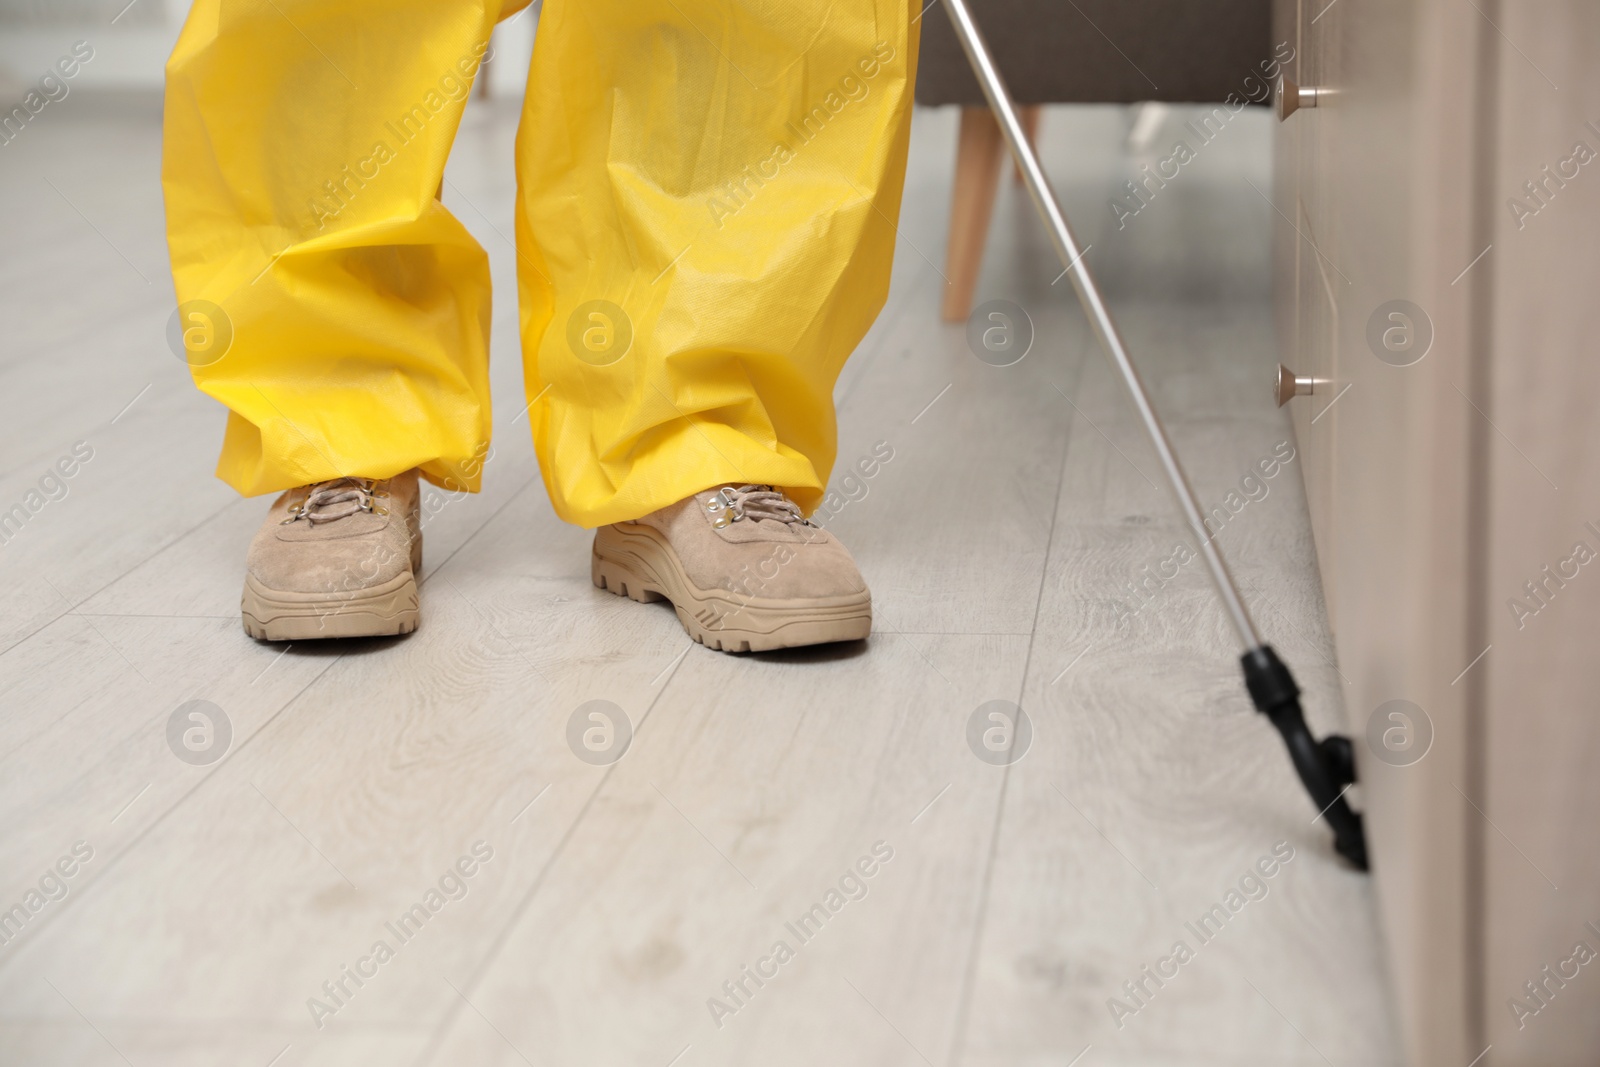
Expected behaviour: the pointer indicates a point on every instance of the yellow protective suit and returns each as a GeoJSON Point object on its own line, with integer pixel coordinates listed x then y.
{"type": "Point", "coordinates": [707, 195]}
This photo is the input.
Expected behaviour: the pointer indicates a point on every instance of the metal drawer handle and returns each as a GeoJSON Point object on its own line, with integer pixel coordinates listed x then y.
{"type": "Point", "coordinates": [1292, 97]}
{"type": "Point", "coordinates": [1291, 385]}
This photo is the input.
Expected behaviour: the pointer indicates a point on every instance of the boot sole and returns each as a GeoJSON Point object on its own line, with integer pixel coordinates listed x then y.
{"type": "Point", "coordinates": [382, 611]}
{"type": "Point", "coordinates": [635, 561]}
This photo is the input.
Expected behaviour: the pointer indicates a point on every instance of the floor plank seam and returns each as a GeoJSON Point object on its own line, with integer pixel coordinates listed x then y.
{"type": "Point", "coordinates": [975, 950]}
{"type": "Point", "coordinates": [72, 608]}
{"type": "Point", "coordinates": [105, 871]}
{"type": "Point", "coordinates": [498, 942]}
{"type": "Point", "coordinates": [476, 531]}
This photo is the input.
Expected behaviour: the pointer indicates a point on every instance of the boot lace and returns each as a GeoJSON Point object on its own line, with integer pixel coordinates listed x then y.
{"type": "Point", "coordinates": [730, 504]}
{"type": "Point", "coordinates": [339, 498]}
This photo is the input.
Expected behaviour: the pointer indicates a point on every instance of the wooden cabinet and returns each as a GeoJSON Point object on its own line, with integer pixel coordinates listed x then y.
{"type": "Point", "coordinates": [1445, 476]}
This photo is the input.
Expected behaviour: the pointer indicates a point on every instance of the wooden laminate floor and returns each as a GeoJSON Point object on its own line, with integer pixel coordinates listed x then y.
{"type": "Point", "coordinates": [619, 905]}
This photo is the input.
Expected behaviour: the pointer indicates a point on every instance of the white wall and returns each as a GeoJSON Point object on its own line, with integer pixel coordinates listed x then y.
{"type": "Point", "coordinates": [130, 43]}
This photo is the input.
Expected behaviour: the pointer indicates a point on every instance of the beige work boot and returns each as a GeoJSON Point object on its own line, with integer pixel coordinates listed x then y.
{"type": "Point", "coordinates": [336, 559]}
{"type": "Point", "coordinates": [745, 572]}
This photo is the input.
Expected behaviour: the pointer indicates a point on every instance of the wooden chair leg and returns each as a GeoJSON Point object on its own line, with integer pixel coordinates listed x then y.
{"type": "Point", "coordinates": [1029, 115]}
{"type": "Point", "coordinates": [978, 158]}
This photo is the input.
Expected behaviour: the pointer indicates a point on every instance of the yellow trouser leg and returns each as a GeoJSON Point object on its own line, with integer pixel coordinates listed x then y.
{"type": "Point", "coordinates": [304, 144]}
{"type": "Point", "coordinates": [708, 191]}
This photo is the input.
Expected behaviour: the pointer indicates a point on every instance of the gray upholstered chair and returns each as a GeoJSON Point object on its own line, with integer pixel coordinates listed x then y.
{"type": "Point", "coordinates": [1078, 51]}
